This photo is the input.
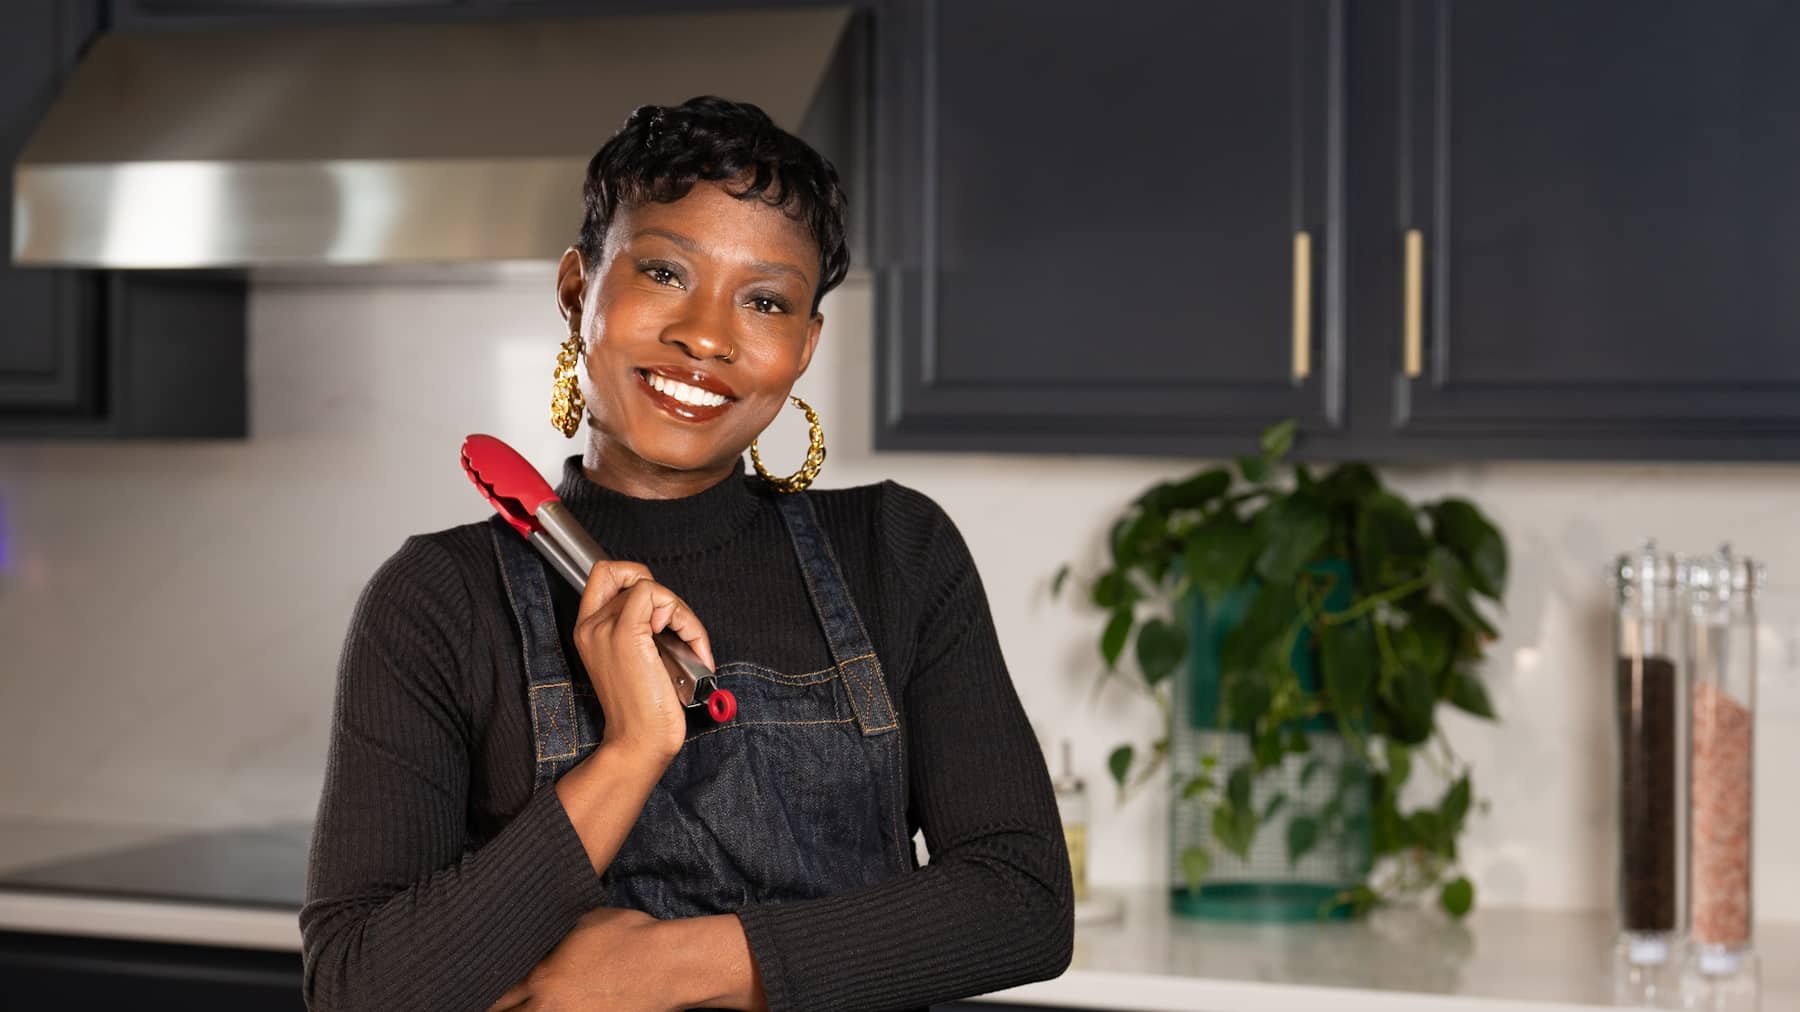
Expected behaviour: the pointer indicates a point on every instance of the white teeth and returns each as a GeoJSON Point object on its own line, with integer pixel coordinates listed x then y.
{"type": "Point", "coordinates": [684, 393]}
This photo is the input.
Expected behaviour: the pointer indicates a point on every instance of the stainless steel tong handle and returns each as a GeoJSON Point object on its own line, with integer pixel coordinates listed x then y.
{"type": "Point", "coordinates": [573, 552]}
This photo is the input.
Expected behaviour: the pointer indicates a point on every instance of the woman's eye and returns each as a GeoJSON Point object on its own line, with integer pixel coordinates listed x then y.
{"type": "Point", "coordinates": [662, 276]}
{"type": "Point", "coordinates": [766, 304]}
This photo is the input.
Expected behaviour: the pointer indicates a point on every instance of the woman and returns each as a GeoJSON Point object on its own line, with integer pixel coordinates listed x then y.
{"type": "Point", "coordinates": [519, 814]}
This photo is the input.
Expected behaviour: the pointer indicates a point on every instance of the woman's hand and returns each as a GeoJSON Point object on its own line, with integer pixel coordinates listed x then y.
{"type": "Point", "coordinates": [609, 961]}
{"type": "Point", "coordinates": [621, 610]}
{"type": "Point", "coordinates": [626, 960]}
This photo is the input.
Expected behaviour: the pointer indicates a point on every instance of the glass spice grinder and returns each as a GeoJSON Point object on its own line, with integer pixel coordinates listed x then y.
{"type": "Point", "coordinates": [1721, 972]}
{"type": "Point", "coordinates": [1650, 700]}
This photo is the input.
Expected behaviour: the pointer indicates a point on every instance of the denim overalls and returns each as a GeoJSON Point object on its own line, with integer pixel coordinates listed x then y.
{"type": "Point", "coordinates": [800, 795]}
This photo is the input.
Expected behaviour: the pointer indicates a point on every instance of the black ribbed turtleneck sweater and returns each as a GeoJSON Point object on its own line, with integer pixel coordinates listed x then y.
{"type": "Point", "coordinates": [438, 878]}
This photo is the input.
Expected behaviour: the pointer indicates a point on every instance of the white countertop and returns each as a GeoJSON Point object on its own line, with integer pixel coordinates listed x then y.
{"type": "Point", "coordinates": [142, 884]}
{"type": "Point", "coordinates": [1394, 961]}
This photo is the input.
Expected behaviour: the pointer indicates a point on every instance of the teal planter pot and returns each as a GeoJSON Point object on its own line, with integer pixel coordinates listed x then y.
{"type": "Point", "coordinates": [1325, 790]}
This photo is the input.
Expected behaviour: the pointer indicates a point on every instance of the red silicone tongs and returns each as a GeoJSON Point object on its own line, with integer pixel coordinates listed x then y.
{"type": "Point", "coordinates": [527, 502]}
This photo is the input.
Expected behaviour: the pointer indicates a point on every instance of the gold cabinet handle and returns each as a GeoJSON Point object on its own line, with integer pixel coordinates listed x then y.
{"type": "Point", "coordinates": [1302, 305]}
{"type": "Point", "coordinates": [1415, 303]}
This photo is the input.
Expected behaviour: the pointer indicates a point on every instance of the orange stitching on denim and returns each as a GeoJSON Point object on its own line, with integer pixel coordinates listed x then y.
{"type": "Point", "coordinates": [766, 672]}
{"type": "Point", "coordinates": [893, 717]}
{"type": "Point", "coordinates": [881, 680]}
{"type": "Point", "coordinates": [536, 709]}
{"type": "Point", "coordinates": [769, 723]}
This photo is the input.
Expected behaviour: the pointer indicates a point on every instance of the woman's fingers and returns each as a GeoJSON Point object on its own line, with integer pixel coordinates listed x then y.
{"type": "Point", "coordinates": [605, 581]}
{"type": "Point", "coordinates": [650, 604]}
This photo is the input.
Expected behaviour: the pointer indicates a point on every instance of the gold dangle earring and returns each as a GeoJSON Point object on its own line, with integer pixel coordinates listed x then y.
{"type": "Point", "coordinates": [815, 454]}
{"type": "Point", "coordinates": [566, 402]}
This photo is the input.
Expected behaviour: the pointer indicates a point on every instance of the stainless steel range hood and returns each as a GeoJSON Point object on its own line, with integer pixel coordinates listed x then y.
{"type": "Point", "coordinates": [395, 143]}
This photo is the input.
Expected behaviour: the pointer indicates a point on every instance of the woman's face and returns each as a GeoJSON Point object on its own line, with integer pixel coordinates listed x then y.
{"type": "Point", "coordinates": [679, 287]}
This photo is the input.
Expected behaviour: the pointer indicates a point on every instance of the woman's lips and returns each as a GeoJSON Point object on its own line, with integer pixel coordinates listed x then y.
{"type": "Point", "coordinates": [685, 412]}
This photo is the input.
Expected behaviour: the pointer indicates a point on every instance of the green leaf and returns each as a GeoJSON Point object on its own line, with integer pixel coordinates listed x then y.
{"type": "Point", "coordinates": [1458, 897]}
{"type": "Point", "coordinates": [1360, 900]}
{"type": "Point", "coordinates": [1218, 555]}
{"type": "Point", "coordinates": [1114, 588]}
{"type": "Point", "coordinates": [1302, 837]}
{"type": "Point", "coordinates": [1310, 770]}
{"type": "Point", "coordinates": [1195, 863]}
{"type": "Point", "coordinates": [1348, 484]}
{"type": "Point", "coordinates": [1427, 640]}
{"type": "Point", "coordinates": [1455, 806]}
{"type": "Point", "coordinates": [1112, 641]}
{"type": "Point", "coordinates": [1254, 469]}
{"type": "Point", "coordinates": [1294, 529]}
{"type": "Point", "coordinates": [1136, 538]}
{"type": "Point", "coordinates": [1462, 527]}
{"type": "Point", "coordinates": [1469, 695]}
{"type": "Point", "coordinates": [1056, 582]}
{"type": "Point", "coordinates": [1237, 787]}
{"type": "Point", "coordinates": [1278, 439]}
{"type": "Point", "coordinates": [1399, 767]}
{"type": "Point", "coordinates": [1265, 745]}
{"type": "Point", "coordinates": [1348, 655]}
{"type": "Point", "coordinates": [1196, 786]}
{"type": "Point", "coordinates": [1273, 806]}
{"type": "Point", "coordinates": [1390, 548]}
{"type": "Point", "coordinates": [1247, 697]}
{"type": "Point", "coordinates": [1384, 821]}
{"type": "Point", "coordinates": [1197, 491]}
{"type": "Point", "coordinates": [1160, 646]}
{"type": "Point", "coordinates": [1119, 764]}
{"type": "Point", "coordinates": [1408, 701]}
{"type": "Point", "coordinates": [1256, 641]}
{"type": "Point", "coordinates": [1295, 742]}
{"type": "Point", "coordinates": [1234, 828]}
{"type": "Point", "coordinates": [1450, 584]}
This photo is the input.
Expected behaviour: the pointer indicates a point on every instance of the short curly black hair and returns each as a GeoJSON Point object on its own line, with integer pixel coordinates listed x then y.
{"type": "Point", "coordinates": [662, 151]}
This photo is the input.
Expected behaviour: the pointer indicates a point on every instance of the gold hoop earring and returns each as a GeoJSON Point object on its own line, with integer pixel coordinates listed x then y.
{"type": "Point", "coordinates": [815, 454]}
{"type": "Point", "coordinates": [566, 403]}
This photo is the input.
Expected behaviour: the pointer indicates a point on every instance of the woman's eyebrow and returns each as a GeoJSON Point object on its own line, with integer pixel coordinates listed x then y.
{"type": "Point", "coordinates": [689, 245]}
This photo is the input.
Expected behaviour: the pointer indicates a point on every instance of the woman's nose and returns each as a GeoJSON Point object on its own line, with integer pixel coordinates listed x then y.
{"type": "Point", "coordinates": [703, 330]}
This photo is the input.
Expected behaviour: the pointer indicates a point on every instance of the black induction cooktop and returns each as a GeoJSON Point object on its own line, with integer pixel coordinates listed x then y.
{"type": "Point", "coordinates": [262, 866]}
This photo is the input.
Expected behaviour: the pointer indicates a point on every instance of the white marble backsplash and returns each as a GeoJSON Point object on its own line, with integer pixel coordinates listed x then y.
{"type": "Point", "coordinates": [171, 613]}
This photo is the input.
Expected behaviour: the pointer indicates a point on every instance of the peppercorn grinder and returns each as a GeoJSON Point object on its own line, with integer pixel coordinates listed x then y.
{"type": "Point", "coordinates": [1649, 690]}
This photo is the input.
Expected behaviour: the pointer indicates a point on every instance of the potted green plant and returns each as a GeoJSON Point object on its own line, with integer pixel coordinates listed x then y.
{"type": "Point", "coordinates": [1300, 633]}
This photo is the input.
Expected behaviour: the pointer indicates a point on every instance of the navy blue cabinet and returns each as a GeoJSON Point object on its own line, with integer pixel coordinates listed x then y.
{"type": "Point", "coordinates": [89, 353]}
{"type": "Point", "coordinates": [1537, 229]}
{"type": "Point", "coordinates": [1596, 206]}
{"type": "Point", "coordinates": [1108, 230]}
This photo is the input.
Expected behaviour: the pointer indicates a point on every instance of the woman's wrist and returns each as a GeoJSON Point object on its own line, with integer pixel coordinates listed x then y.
{"type": "Point", "coordinates": [603, 795]}
{"type": "Point", "coordinates": [710, 961]}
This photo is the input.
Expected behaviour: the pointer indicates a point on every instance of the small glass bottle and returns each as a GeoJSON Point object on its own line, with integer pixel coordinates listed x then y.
{"type": "Point", "coordinates": [1648, 689]}
{"type": "Point", "coordinates": [1721, 971]}
{"type": "Point", "coordinates": [1072, 807]}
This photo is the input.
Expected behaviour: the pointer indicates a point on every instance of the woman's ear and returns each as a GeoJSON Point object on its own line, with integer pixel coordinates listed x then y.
{"type": "Point", "coordinates": [812, 342]}
{"type": "Point", "coordinates": [571, 285]}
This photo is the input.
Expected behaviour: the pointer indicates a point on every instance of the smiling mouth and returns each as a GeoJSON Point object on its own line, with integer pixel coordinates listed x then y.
{"type": "Point", "coordinates": [685, 402]}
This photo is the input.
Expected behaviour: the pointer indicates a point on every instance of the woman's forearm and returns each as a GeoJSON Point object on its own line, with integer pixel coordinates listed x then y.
{"type": "Point", "coordinates": [710, 959]}
{"type": "Point", "coordinates": [603, 795]}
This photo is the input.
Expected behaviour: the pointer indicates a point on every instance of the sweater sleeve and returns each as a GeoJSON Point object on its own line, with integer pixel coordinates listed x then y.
{"type": "Point", "coordinates": [994, 907]}
{"type": "Point", "coordinates": [397, 915]}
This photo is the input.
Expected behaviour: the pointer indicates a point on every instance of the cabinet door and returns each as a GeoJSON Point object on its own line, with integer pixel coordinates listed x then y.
{"type": "Point", "coordinates": [1605, 202]}
{"type": "Point", "coordinates": [1087, 224]}
{"type": "Point", "coordinates": [49, 334]}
